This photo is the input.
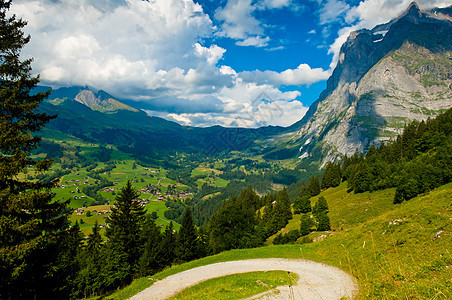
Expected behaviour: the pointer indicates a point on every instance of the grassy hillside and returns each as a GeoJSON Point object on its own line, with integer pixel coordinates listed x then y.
{"type": "Point", "coordinates": [400, 251]}
{"type": "Point", "coordinates": [347, 210]}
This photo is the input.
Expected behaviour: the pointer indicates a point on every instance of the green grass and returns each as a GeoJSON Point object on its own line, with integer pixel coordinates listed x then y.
{"type": "Point", "coordinates": [124, 171]}
{"type": "Point", "coordinates": [89, 222]}
{"type": "Point", "coordinates": [391, 252]}
{"type": "Point", "coordinates": [219, 182]}
{"type": "Point", "coordinates": [237, 286]}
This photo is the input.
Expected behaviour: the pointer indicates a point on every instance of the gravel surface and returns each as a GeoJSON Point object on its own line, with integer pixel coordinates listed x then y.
{"type": "Point", "coordinates": [316, 280]}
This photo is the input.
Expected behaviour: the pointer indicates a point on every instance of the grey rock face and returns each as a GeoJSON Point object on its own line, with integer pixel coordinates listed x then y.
{"type": "Point", "coordinates": [386, 77]}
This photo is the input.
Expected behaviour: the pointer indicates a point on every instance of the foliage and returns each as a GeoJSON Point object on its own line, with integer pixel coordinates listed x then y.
{"type": "Point", "coordinates": [187, 239]}
{"type": "Point", "coordinates": [302, 205]}
{"type": "Point", "coordinates": [306, 224]}
{"type": "Point", "coordinates": [415, 162]}
{"type": "Point", "coordinates": [33, 227]}
{"type": "Point", "coordinates": [123, 246]}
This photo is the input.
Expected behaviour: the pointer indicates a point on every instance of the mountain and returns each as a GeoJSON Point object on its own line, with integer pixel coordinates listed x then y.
{"type": "Point", "coordinates": [98, 117]}
{"type": "Point", "coordinates": [385, 77]}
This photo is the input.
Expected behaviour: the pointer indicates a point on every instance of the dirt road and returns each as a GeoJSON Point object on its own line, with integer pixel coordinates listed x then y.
{"type": "Point", "coordinates": [317, 280]}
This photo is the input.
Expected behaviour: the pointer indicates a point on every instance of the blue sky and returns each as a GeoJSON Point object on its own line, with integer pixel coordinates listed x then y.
{"type": "Point", "coordinates": [241, 63]}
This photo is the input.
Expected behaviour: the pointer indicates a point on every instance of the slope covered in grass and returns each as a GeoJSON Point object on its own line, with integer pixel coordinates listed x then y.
{"type": "Point", "coordinates": [403, 252]}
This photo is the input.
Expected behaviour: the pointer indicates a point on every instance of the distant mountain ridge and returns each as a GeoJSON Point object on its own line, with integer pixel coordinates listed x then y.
{"type": "Point", "coordinates": [385, 77]}
{"type": "Point", "coordinates": [99, 117]}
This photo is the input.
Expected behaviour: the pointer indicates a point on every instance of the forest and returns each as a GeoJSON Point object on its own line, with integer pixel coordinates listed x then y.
{"type": "Point", "coordinates": [43, 255]}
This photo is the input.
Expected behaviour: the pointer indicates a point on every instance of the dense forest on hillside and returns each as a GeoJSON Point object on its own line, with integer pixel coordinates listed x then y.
{"type": "Point", "coordinates": [417, 161]}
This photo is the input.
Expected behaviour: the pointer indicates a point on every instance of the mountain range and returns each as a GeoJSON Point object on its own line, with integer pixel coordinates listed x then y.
{"type": "Point", "coordinates": [385, 77]}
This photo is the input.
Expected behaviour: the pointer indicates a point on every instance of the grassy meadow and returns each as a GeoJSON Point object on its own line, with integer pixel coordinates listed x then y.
{"type": "Point", "coordinates": [394, 251]}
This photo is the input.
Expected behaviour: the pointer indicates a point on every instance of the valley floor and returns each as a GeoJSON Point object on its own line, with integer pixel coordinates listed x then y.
{"type": "Point", "coordinates": [316, 280]}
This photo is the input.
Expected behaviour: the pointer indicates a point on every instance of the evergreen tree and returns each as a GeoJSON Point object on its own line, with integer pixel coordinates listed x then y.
{"type": "Point", "coordinates": [320, 205]}
{"type": "Point", "coordinates": [327, 176]}
{"type": "Point", "coordinates": [68, 262]}
{"type": "Point", "coordinates": [281, 213]}
{"type": "Point", "coordinates": [302, 205]}
{"type": "Point", "coordinates": [90, 279]}
{"type": "Point", "coordinates": [313, 188]}
{"type": "Point", "coordinates": [151, 238]}
{"type": "Point", "coordinates": [187, 239]}
{"type": "Point", "coordinates": [167, 246]}
{"type": "Point", "coordinates": [268, 209]}
{"type": "Point", "coordinates": [306, 224]}
{"type": "Point", "coordinates": [248, 199]}
{"type": "Point", "coordinates": [323, 221]}
{"type": "Point", "coordinates": [32, 225]}
{"type": "Point", "coordinates": [233, 228]}
{"type": "Point", "coordinates": [123, 246]}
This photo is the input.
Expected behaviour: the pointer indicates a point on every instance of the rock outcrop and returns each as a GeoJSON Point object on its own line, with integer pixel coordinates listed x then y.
{"type": "Point", "coordinates": [385, 77]}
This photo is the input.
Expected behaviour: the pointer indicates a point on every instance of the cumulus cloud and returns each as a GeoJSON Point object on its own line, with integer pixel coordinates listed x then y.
{"type": "Point", "coordinates": [299, 76]}
{"type": "Point", "coordinates": [155, 52]}
{"type": "Point", "coordinates": [110, 44]}
{"type": "Point", "coordinates": [212, 54]}
{"type": "Point", "coordinates": [239, 23]}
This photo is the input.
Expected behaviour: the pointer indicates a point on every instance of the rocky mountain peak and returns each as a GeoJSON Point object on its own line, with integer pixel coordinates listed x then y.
{"type": "Point", "coordinates": [384, 78]}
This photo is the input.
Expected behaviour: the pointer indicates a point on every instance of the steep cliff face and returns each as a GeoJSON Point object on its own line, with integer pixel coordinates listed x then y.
{"type": "Point", "coordinates": [385, 77]}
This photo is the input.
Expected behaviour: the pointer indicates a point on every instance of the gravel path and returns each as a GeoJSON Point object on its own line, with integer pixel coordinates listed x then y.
{"type": "Point", "coordinates": [317, 280]}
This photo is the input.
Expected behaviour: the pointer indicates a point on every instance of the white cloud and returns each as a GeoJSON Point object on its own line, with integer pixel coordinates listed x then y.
{"type": "Point", "coordinates": [299, 76]}
{"type": "Point", "coordinates": [332, 10]}
{"type": "Point", "coordinates": [213, 54]}
{"type": "Point", "coordinates": [256, 41]}
{"type": "Point", "coordinates": [239, 23]}
{"type": "Point", "coordinates": [272, 4]}
{"type": "Point", "coordinates": [118, 46]}
{"type": "Point", "coordinates": [153, 51]}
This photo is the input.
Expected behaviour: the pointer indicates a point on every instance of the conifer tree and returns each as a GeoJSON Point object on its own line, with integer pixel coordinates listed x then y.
{"type": "Point", "coordinates": [187, 238]}
{"type": "Point", "coordinates": [281, 213]}
{"type": "Point", "coordinates": [167, 246]}
{"type": "Point", "coordinates": [68, 262]}
{"type": "Point", "coordinates": [32, 224]}
{"type": "Point", "coordinates": [306, 224]}
{"type": "Point", "coordinates": [302, 205]}
{"type": "Point", "coordinates": [321, 205]}
{"type": "Point", "coordinates": [313, 188]}
{"type": "Point", "coordinates": [269, 198]}
{"type": "Point", "coordinates": [151, 238]}
{"type": "Point", "coordinates": [248, 199]}
{"type": "Point", "coordinates": [90, 279]}
{"type": "Point", "coordinates": [323, 221]}
{"type": "Point", "coordinates": [123, 245]}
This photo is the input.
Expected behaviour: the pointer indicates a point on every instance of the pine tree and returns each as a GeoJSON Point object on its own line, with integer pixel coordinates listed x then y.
{"type": "Point", "coordinates": [123, 245]}
{"type": "Point", "coordinates": [281, 213]}
{"type": "Point", "coordinates": [306, 224]}
{"type": "Point", "coordinates": [187, 238]}
{"type": "Point", "coordinates": [323, 221]}
{"type": "Point", "coordinates": [90, 279]}
{"type": "Point", "coordinates": [151, 238]}
{"type": "Point", "coordinates": [313, 188]}
{"type": "Point", "coordinates": [68, 262]}
{"type": "Point", "coordinates": [302, 205]}
{"type": "Point", "coordinates": [167, 254]}
{"type": "Point", "coordinates": [320, 205]}
{"type": "Point", "coordinates": [32, 225]}
{"type": "Point", "coordinates": [268, 209]}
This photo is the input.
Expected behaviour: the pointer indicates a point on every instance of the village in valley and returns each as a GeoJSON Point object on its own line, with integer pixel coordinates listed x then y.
{"type": "Point", "coordinates": [152, 185]}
